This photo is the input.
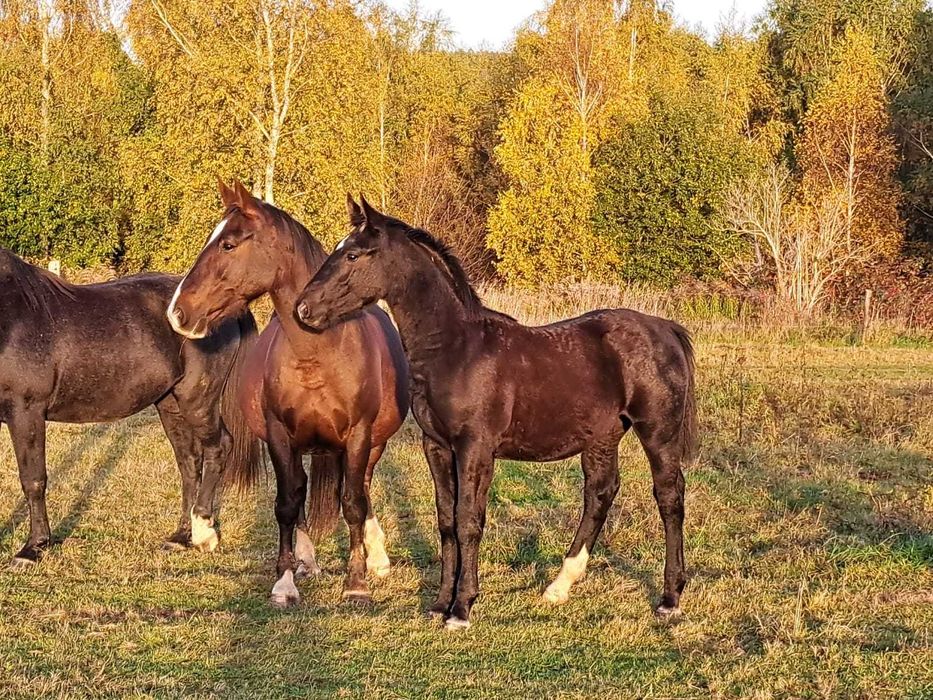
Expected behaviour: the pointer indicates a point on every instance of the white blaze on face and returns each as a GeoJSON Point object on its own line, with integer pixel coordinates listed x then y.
{"type": "Point", "coordinates": [170, 312]}
{"type": "Point", "coordinates": [343, 243]}
{"type": "Point", "coordinates": [377, 561]}
{"type": "Point", "coordinates": [218, 229]}
{"type": "Point", "coordinates": [572, 570]}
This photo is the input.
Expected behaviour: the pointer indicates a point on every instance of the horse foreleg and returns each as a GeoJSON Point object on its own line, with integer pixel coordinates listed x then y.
{"type": "Point", "coordinates": [355, 509]}
{"type": "Point", "coordinates": [27, 429]}
{"type": "Point", "coordinates": [215, 446]}
{"type": "Point", "coordinates": [474, 462]}
{"type": "Point", "coordinates": [441, 461]}
{"type": "Point", "coordinates": [188, 458]}
{"type": "Point", "coordinates": [291, 484]}
{"type": "Point", "coordinates": [600, 485]}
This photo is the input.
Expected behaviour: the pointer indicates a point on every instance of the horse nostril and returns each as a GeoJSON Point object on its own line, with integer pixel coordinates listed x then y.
{"type": "Point", "coordinates": [179, 316]}
{"type": "Point", "coordinates": [304, 311]}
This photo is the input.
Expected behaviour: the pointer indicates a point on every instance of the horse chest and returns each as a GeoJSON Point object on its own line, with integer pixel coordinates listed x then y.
{"type": "Point", "coordinates": [305, 402]}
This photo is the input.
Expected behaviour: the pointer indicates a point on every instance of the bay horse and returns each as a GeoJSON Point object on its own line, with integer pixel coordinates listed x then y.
{"type": "Point", "coordinates": [485, 386]}
{"type": "Point", "coordinates": [339, 394]}
{"type": "Point", "coordinates": [100, 352]}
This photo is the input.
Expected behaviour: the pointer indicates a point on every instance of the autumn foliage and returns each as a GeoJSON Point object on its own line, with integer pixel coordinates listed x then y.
{"type": "Point", "coordinates": [607, 143]}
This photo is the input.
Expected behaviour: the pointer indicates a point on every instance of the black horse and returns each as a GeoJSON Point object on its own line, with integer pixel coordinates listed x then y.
{"type": "Point", "coordinates": [100, 352]}
{"type": "Point", "coordinates": [485, 386]}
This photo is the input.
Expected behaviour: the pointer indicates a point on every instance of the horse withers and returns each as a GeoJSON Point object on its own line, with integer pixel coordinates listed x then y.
{"type": "Point", "coordinates": [339, 395]}
{"type": "Point", "coordinates": [485, 386]}
{"type": "Point", "coordinates": [101, 352]}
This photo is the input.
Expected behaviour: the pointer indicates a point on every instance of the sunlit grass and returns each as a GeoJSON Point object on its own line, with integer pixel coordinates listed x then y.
{"type": "Point", "coordinates": [809, 547]}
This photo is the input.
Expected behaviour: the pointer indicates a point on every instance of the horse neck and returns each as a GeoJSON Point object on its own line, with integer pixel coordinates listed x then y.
{"type": "Point", "coordinates": [431, 319]}
{"type": "Point", "coordinates": [299, 260]}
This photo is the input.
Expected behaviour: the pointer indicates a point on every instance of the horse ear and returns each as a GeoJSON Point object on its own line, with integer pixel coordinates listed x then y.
{"type": "Point", "coordinates": [373, 216]}
{"type": "Point", "coordinates": [357, 218]}
{"type": "Point", "coordinates": [227, 196]}
{"type": "Point", "coordinates": [243, 197]}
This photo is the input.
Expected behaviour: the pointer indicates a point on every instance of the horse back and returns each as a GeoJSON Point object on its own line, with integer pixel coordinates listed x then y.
{"type": "Point", "coordinates": [92, 352]}
{"type": "Point", "coordinates": [551, 390]}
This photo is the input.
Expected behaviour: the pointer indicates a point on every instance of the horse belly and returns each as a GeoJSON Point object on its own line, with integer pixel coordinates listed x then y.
{"type": "Point", "coordinates": [556, 425]}
{"type": "Point", "coordinates": [105, 385]}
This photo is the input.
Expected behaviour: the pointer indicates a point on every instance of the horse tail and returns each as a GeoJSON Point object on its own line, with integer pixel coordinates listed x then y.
{"type": "Point", "coordinates": [688, 427]}
{"type": "Point", "coordinates": [244, 461]}
{"type": "Point", "coordinates": [325, 488]}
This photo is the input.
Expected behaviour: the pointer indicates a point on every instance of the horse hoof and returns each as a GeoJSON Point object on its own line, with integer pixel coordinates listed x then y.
{"type": "Point", "coordinates": [436, 612]}
{"type": "Point", "coordinates": [204, 537]}
{"type": "Point", "coordinates": [209, 545]}
{"type": "Point", "coordinates": [358, 598]}
{"type": "Point", "coordinates": [379, 566]}
{"type": "Point", "coordinates": [22, 563]}
{"type": "Point", "coordinates": [284, 592]}
{"type": "Point", "coordinates": [455, 624]}
{"type": "Point", "coordinates": [307, 570]}
{"type": "Point", "coordinates": [283, 602]}
{"type": "Point", "coordinates": [305, 556]}
{"type": "Point", "coordinates": [666, 612]}
{"type": "Point", "coordinates": [555, 596]}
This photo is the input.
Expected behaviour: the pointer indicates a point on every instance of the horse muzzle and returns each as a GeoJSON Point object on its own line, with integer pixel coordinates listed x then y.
{"type": "Point", "coordinates": [306, 314]}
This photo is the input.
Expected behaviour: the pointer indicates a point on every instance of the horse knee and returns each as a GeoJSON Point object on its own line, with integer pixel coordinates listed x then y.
{"type": "Point", "coordinates": [608, 488]}
{"type": "Point", "coordinates": [447, 528]}
{"type": "Point", "coordinates": [600, 494]}
{"type": "Point", "coordinates": [355, 507]}
{"type": "Point", "coordinates": [34, 488]}
{"type": "Point", "coordinates": [288, 506]}
{"type": "Point", "coordinates": [469, 531]}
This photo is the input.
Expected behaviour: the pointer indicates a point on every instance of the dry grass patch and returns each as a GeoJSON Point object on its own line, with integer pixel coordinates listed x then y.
{"type": "Point", "coordinates": [809, 546]}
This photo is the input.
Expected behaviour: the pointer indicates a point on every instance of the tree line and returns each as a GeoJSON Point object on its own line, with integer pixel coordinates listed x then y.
{"type": "Point", "coordinates": [608, 143]}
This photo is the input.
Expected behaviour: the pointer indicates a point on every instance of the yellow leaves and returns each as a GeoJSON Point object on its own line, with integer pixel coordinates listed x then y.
{"type": "Point", "coordinates": [847, 150]}
{"type": "Point", "coordinates": [541, 226]}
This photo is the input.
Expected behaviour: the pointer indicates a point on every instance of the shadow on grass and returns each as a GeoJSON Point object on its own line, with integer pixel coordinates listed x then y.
{"type": "Point", "coordinates": [66, 464]}
{"type": "Point", "coordinates": [115, 451]}
{"type": "Point", "coordinates": [863, 510]}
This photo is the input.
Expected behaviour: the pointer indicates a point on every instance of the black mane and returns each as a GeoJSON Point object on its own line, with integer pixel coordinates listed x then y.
{"type": "Point", "coordinates": [442, 255]}
{"type": "Point", "coordinates": [37, 286]}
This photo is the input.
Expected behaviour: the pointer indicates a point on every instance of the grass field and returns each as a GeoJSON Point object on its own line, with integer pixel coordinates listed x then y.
{"type": "Point", "coordinates": [809, 542]}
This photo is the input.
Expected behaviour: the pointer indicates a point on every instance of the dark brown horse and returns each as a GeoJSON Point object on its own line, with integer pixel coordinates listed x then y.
{"type": "Point", "coordinates": [485, 386]}
{"type": "Point", "coordinates": [340, 394]}
{"type": "Point", "coordinates": [99, 352]}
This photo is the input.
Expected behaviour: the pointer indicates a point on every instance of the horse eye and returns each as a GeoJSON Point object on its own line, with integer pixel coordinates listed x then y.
{"type": "Point", "coordinates": [227, 246]}
{"type": "Point", "coordinates": [352, 257]}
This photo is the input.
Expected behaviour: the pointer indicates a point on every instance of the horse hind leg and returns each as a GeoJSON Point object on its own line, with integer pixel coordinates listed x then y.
{"type": "Point", "coordinates": [600, 485]}
{"type": "Point", "coordinates": [27, 430]}
{"type": "Point", "coordinates": [188, 457]}
{"type": "Point", "coordinates": [305, 553]}
{"type": "Point", "coordinates": [664, 446]}
{"type": "Point", "coordinates": [355, 510]}
{"type": "Point", "coordinates": [374, 539]}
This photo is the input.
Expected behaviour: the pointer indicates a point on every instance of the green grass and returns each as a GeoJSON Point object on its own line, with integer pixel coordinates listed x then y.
{"type": "Point", "coordinates": [809, 544]}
